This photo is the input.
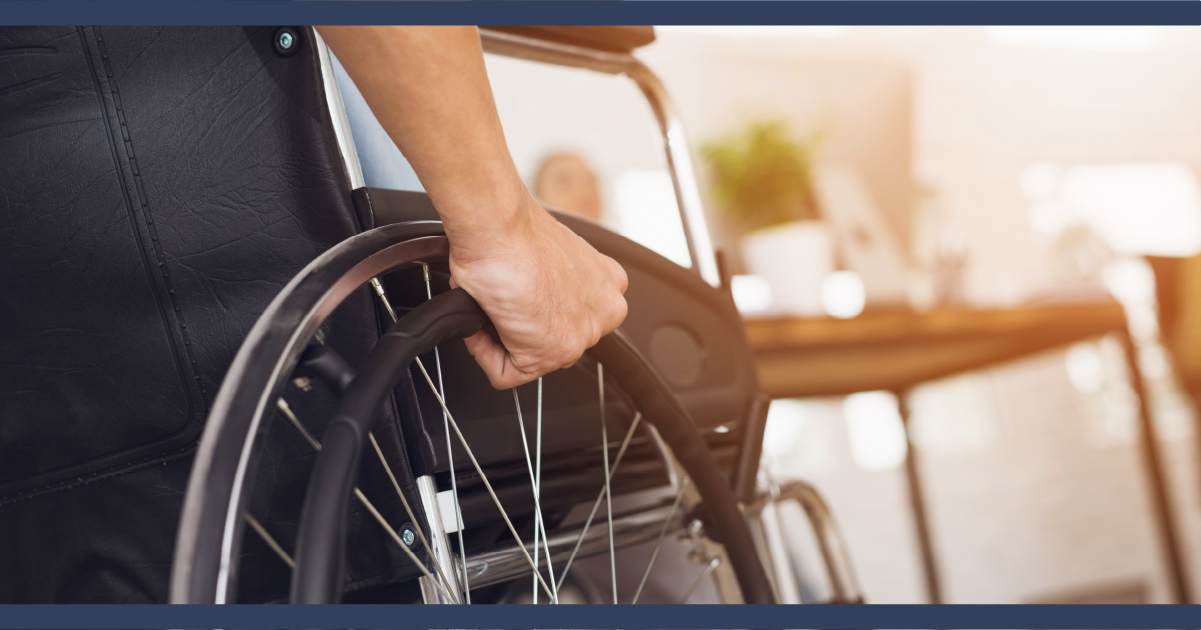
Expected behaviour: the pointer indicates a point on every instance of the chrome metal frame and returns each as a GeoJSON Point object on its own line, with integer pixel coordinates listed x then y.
{"type": "Point", "coordinates": [839, 570]}
{"type": "Point", "coordinates": [767, 527]}
{"type": "Point", "coordinates": [675, 145]}
{"type": "Point", "coordinates": [337, 113]}
{"type": "Point", "coordinates": [445, 555]}
{"type": "Point", "coordinates": [504, 563]}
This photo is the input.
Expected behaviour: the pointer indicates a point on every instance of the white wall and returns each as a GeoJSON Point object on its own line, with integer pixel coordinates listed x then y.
{"type": "Point", "coordinates": [1036, 508]}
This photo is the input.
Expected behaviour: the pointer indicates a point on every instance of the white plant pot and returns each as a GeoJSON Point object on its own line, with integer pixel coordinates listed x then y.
{"type": "Point", "coordinates": [794, 258]}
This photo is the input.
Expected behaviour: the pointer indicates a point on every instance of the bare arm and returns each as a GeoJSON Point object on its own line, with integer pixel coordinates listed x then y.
{"type": "Point", "coordinates": [549, 293]}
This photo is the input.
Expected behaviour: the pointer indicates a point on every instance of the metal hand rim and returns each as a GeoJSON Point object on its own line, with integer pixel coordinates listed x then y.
{"type": "Point", "coordinates": [211, 525]}
{"type": "Point", "coordinates": [209, 539]}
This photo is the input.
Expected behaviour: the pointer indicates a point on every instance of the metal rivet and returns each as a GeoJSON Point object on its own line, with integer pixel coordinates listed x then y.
{"type": "Point", "coordinates": [286, 41]}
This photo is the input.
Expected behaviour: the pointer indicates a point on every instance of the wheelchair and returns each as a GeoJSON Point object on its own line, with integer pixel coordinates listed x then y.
{"type": "Point", "coordinates": [259, 353]}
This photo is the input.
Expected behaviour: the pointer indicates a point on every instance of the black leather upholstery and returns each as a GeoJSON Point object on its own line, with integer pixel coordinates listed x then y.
{"type": "Point", "coordinates": [158, 186]}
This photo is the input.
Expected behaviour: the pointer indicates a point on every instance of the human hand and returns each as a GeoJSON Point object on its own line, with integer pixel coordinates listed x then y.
{"type": "Point", "coordinates": [549, 294]}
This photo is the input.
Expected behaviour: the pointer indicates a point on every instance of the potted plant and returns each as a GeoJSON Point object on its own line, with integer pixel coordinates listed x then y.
{"type": "Point", "coordinates": [762, 179]}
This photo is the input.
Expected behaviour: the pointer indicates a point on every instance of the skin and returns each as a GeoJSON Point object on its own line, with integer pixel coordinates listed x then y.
{"type": "Point", "coordinates": [549, 294]}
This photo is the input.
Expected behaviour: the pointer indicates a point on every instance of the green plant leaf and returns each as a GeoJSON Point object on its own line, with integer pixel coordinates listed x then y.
{"type": "Point", "coordinates": [761, 176]}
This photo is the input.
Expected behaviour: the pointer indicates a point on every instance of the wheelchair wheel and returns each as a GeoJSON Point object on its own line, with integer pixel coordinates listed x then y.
{"type": "Point", "coordinates": [285, 347]}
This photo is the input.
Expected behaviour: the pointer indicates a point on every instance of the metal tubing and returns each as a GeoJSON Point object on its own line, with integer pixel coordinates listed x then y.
{"type": "Point", "coordinates": [839, 569]}
{"type": "Point", "coordinates": [774, 553]}
{"type": "Point", "coordinates": [337, 113]}
{"type": "Point", "coordinates": [671, 467]}
{"type": "Point", "coordinates": [679, 164]}
{"type": "Point", "coordinates": [440, 541]}
{"type": "Point", "coordinates": [675, 145]}
{"type": "Point", "coordinates": [746, 470]}
{"type": "Point", "coordinates": [1157, 482]}
{"type": "Point", "coordinates": [917, 506]}
{"type": "Point", "coordinates": [834, 550]}
{"type": "Point", "coordinates": [503, 563]}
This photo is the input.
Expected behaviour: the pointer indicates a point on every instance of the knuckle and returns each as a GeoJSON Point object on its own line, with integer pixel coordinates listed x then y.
{"type": "Point", "coordinates": [623, 280]}
{"type": "Point", "coordinates": [621, 308]}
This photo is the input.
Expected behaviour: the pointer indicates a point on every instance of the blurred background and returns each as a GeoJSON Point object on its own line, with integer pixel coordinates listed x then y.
{"type": "Point", "coordinates": [890, 196]}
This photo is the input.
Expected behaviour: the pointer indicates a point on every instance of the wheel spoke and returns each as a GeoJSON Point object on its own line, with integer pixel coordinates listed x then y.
{"type": "Point", "coordinates": [450, 455]}
{"type": "Point", "coordinates": [600, 381]}
{"type": "Point", "coordinates": [269, 539]}
{"type": "Point", "coordinates": [383, 296]}
{"type": "Point", "coordinates": [484, 478]}
{"type": "Point", "coordinates": [662, 534]}
{"type": "Point", "coordinates": [534, 466]}
{"type": "Point", "coordinates": [599, 497]}
{"type": "Point", "coordinates": [283, 406]}
{"type": "Point", "coordinates": [537, 506]}
{"type": "Point", "coordinates": [540, 523]}
{"type": "Point", "coordinates": [713, 564]}
{"type": "Point", "coordinates": [454, 483]}
{"type": "Point", "coordinates": [534, 483]}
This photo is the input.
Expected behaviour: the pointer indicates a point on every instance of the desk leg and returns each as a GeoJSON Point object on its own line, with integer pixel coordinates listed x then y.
{"type": "Point", "coordinates": [917, 506]}
{"type": "Point", "coordinates": [1157, 480]}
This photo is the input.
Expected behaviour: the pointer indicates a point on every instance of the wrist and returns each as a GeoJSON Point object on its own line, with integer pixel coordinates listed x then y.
{"type": "Point", "coordinates": [490, 225]}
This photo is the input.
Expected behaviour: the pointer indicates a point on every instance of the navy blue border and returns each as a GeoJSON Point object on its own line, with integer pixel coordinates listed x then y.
{"type": "Point", "coordinates": [86, 617]}
{"type": "Point", "coordinates": [254, 12]}
{"type": "Point", "coordinates": [512, 12]}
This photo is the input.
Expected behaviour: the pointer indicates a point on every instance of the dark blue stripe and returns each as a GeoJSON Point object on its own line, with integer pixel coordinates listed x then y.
{"type": "Point", "coordinates": [632, 617]}
{"type": "Point", "coordinates": [252, 12]}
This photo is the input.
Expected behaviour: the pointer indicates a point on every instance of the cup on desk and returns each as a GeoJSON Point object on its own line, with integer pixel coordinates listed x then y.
{"type": "Point", "coordinates": [794, 259]}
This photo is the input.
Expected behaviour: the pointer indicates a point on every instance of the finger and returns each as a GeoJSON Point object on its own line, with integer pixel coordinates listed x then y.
{"type": "Point", "coordinates": [618, 273]}
{"type": "Point", "coordinates": [488, 353]}
{"type": "Point", "coordinates": [610, 316]}
{"type": "Point", "coordinates": [511, 376]}
{"type": "Point", "coordinates": [495, 361]}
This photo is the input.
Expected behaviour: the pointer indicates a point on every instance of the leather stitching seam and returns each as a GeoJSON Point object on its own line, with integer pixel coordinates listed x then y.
{"type": "Point", "coordinates": [129, 466]}
{"type": "Point", "coordinates": [112, 471]}
{"type": "Point", "coordinates": [145, 207]}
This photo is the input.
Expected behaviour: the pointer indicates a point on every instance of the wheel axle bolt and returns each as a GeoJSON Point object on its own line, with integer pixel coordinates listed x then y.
{"type": "Point", "coordinates": [285, 40]}
{"type": "Point", "coordinates": [408, 537]}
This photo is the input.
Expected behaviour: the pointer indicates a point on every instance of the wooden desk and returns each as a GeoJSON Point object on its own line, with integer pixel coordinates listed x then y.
{"type": "Point", "coordinates": [898, 350]}
{"type": "Point", "coordinates": [895, 351]}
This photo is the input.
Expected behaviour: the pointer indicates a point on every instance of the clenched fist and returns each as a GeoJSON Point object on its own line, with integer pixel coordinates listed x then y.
{"type": "Point", "coordinates": [550, 295]}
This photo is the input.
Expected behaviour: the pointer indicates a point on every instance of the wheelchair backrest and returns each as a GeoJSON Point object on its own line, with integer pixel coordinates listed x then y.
{"type": "Point", "coordinates": [160, 186]}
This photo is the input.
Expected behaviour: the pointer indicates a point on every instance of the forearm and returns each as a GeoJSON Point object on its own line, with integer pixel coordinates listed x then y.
{"type": "Point", "coordinates": [428, 87]}
{"type": "Point", "coordinates": [548, 293]}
